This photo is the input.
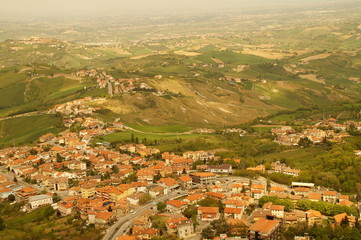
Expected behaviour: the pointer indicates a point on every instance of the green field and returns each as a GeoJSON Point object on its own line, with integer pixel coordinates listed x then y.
{"type": "Point", "coordinates": [24, 130]}
{"type": "Point", "coordinates": [151, 137]}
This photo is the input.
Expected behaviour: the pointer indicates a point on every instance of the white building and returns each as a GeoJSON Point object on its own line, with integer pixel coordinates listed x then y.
{"type": "Point", "coordinates": [40, 200]}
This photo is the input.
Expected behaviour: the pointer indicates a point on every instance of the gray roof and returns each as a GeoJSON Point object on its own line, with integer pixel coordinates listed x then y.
{"type": "Point", "coordinates": [38, 197]}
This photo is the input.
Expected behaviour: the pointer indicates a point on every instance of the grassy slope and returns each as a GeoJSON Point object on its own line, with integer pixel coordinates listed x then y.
{"type": "Point", "coordinates": [27, 129]}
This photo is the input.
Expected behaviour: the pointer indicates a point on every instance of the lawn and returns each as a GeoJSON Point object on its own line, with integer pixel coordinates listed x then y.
{"type": "Point", "coordinates": [28, 129]}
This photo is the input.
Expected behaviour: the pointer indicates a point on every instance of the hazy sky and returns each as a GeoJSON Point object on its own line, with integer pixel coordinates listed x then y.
{"type": "Point", "coordinates": [10, 9]}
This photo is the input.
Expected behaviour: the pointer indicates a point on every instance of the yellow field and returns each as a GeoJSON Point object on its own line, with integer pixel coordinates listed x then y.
{"type": "Point", "coordinates": [316, 57]}
{"type": "Point", "coordinates": [312, 77]}
{"type": "Point", "coordinates": [185, 53]}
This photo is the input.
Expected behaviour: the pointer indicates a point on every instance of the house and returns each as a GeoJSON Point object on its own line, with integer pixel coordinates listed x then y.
{"type": "Point", "coordinates": [185, 181]}
{"type": "Point", "coordinates": [265, 228]}
{"type": "Point", "coordinates": [145, 233]}
{"type": "Point", "coordinates": [134, 199]}
{"type": "Point", "coordinates": [87, 190]}
{"type": "Point", "coordinates": [203, 177]}
{"type": "Point", "coordinates": [329, 196]}
{"type": "Point", "coordinates": [169, 183]}
{"type": "Point", "coordinates": [156, 191]}
{"type": "Point", "coordinates": [103, 218]}
{"type": "Point", "coordinates": [26, 192]}
{"type": "Point", "coordinates": [237, 188]}
{"type": "Point", "coordinates": [277, 189]}
{"type": "Point", "coordinates": [65, 208]}
{"type": "Point", "coordinates": [60, 184]}
{"type": "Point", "coordinates": [221, 169]}
{"type": "Point", "coordinates": [302, 191]}
{"type": "Point", "coordinates": [181, 225]}
{"type": "Point", "coordinates": [258, 190]}
{"type": "Point", "coordinates": [40, 200]}
{"type": "Point", "coordinates": [343, 216]}
{"type": "Point", "coordinates": [294, 217]}
{"type": "Point", "coordinates": [176, 206]}
{"type": "Point", "coordinates": [314, 196]}
{"type": "Point", "coordinates": [128, 238]}
{"type": "Point", "coordinates": [313, 217]}
{"type": "Point", "coordinates": [233, 213]}
{"type": "Point", "coordinates": [5, 192]}
{"type": "Point", "coordinates": [208, 214]}
{"type": "Point", "coordinates": [276, 210]}
{"type": "Point", "coordinates": [194, 198]}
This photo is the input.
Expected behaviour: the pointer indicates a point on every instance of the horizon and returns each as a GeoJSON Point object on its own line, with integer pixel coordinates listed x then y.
{"type": "Point", "coordinates": [45, 9]}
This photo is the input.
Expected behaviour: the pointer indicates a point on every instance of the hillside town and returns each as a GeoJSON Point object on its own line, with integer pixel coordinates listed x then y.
{"type": "Point", "coordinates": [327, 130]}
{"type": "Point", "coordinates": [133, 189]}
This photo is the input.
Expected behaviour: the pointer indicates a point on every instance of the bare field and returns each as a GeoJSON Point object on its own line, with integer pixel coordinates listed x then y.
{"type": "Point", "coordinates": [266, 53]}
{"type": "Point", "coordinates": [312, 77]}
{"type": "Point", "coordinates": [188, 54]}
{"type": "Point", "coordinates": [316, 57]}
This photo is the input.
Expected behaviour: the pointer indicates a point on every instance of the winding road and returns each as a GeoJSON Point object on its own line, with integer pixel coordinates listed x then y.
{"type": "Point", "coordinates": [124, 223]}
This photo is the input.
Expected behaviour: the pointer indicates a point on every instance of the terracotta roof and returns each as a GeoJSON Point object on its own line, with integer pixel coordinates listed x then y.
{"type": "Point", "coordinates": [329, 193]}
{"type": "Point", "coordinates": [208, 209]}
{"type": "Point", "coordinates": [233, 210]}
{"type": "Point", "coordinates": [177, 203]}
{"type": "Point", "coordinates": [185, 178]}
{"type": "Point", "coordinates": [339, 217]}
{"type": "Point", "coordinates": [104, 215]}
{"type": "Point", "coordinates": [204, 174]}
{"type": "Point", "coordinates": [314, 196]}
{"type": "Point", "coordinates": [313, 213]}
{"type": "Point", "coordinates": [264, 226]}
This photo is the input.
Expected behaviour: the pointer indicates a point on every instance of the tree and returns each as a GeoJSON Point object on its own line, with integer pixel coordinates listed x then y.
{"type": "Point", "coordinates": [304, 142]}
{"type": "Point", "coordinates": [208, 233]}
{"type": "Point", "coordinates": [59, 158]}
{"type": "Point", "coordinates": [15, 179]}
{"type": "Point", "coordinates": [2, 224]}
{"type": "Point", "coordinates": [11, 198]}
{"type": "Point", "coordinates": [161, 206]}
{"type": "Point", "coordinates": [220, 226]}
{"type": "Point", "coordinates": [145, 198]}
{"type": "Point", "coordinates": [115, 169]}
{"type": "Point", "coordinates": [33, 151]}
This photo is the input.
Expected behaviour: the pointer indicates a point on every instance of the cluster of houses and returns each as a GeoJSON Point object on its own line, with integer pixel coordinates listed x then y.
{"type": "Point", "coordinates": [114, 85]}
{"type": "Point", "coordinates": [288, 136]}
{"type": "Point", "coordinates": [75, 108]}
{"type": "Point", "coordinates": [102, 185]}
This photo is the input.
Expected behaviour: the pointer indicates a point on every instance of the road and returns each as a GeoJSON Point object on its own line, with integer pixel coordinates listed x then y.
{"type": "Point", "coordinates": [123, 224]}
{"type": "Point", "coordinates": [158, 133]}
{"type": "Point", "coordinates": [10, 176]}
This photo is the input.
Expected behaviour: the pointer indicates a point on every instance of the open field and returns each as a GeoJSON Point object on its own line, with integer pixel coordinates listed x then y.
{"type": "Point", "coordinates": [27, 129]}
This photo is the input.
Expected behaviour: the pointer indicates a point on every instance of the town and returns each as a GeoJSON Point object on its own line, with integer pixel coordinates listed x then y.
{"type": "Point", "coordinates": [137, 192]}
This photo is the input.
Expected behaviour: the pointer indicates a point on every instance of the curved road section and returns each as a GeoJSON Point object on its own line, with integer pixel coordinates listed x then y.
{"type": "Point", "coordinates": [123, 224]}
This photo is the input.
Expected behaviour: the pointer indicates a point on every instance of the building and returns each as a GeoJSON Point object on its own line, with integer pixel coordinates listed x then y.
{"type": "Point", "coordinates": [40, 200]}
{"type": "Point", "coordinates": [60, 184]}
{"type": "Point", "coordinates": [203, 177]}
{"type": "Point", "coordinates": [181, 225]}
{"type": "Point", "coordinates": [313, 217]}
{"type": "Point", "coordinates": [65, 208]}
{"type": "Point", "coordinates": [329, 196]}
{"type": "Point", "coordinates": [208, 214]}
{"type": "Point", "coordinates": [265, 228]}
{"type": "Point", "coordinates": [221, 169]}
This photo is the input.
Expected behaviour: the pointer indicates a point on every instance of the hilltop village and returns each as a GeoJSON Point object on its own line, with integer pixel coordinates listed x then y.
{"type": "Point", "coordinates": [138, 192]}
